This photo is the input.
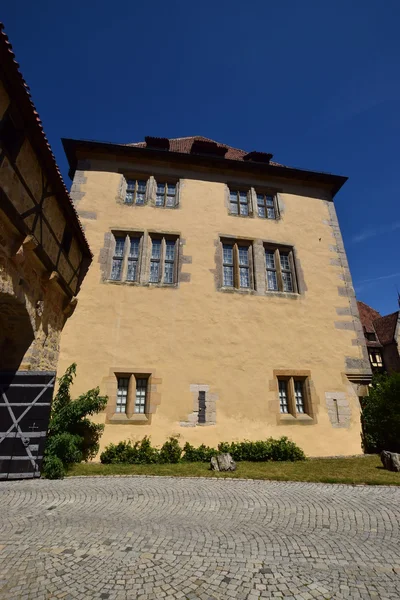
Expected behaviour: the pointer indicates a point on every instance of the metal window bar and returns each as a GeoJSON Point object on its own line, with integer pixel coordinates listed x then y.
{"type": "Point", "coordinates": [271, 276]}
{"type": "Point", "coordinates": [283, 396]}
{"type": "Point", "coordinates": [228, 265]}
{"type": "Point", "coordinates": [135, 191]}
{"type": "Point", "coordinates": [244, 267]}
{"type": "Point", "coordinates": [122, 394]}
{"type": "Point", "coordinates": [169, 264]}
{"type": "Point", "coordinates": [133, 259]}
{"type": "Point", "coordinates": [155, 260]}
{"type": "Point", "coordinates": [287, 279]}
{"type": "Point", "coordinates": [299, 396]}
{"type": "Point", "coordinates": [116, 268]}
{"type": "Point", "coordinates": [141, 394]}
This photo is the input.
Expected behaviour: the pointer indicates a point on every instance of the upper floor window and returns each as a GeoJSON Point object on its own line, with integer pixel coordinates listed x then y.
{"type": "Point", "coordinates": [127, 249]}
{"type": "Point", "coordinates": [280, 275]}
{"type": "Point", "coordinates": [116, 268]}
{"type": "Point", "coordinates": [135, 191]}
{"type": "Point", "coordinates": [163, 260]}
{"type": "Point", "coordinates": [293, 395]}
{"type": "Point", "coordinates": [371, 337]}
{"type": "Point", "coordinates": [237, 264]}
{"type": "Point", "coordinates": [166, 194]}
{"type": "Point", "coordinates": [376, 358]}
{"type": "Point", "coordinates": [239, 202]}
{"type": "Point", "coordinates": [266, 206]}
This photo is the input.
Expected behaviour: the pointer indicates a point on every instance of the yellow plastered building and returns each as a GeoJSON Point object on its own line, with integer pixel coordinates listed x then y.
{"type": "Point", "coordinates": [219, 305]}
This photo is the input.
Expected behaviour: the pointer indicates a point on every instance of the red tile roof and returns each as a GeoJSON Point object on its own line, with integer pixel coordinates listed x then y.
{"type": "Point", "coordinates": [30, 114]}
{"type": "Point", "coordinates": [385, 327]}
{"type": "Point", "coordinates": [367, 316]}
{"type": "Point", "coordinates": [184, 146]}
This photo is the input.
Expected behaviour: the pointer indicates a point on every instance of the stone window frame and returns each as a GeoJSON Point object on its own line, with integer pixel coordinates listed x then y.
{"type": "Point", "coordinates": [126, 258]}
{"type": "Point", "coordinates": [130, 415]}
{"type": "Point", "coordinates": [294, 416]}
{"type": "Point", "coordinates": [162, 260]}
{"type": "Point", "coordinates": [277, 249]}
{"type": "Point", "coordinates": [373, 354]}
{"type": "Point", "coordinates": [144, 258]}
{"type": "Point", "coordinates": [151, 188]}
{"type": "Point", "coordinates": [236, 243]}
{"type": "Point", "coordinates": [135, 191]}
{"type": "Point", "coordinates": [240, 189]}
{"type": "Point", "coordinates": [166, 181]}
{"type": "Point", "coordinates": [266, 192]}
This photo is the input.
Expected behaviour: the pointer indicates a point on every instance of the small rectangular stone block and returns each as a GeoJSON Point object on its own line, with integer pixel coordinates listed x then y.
{"type": "Point", "coordinates": [349, 325]}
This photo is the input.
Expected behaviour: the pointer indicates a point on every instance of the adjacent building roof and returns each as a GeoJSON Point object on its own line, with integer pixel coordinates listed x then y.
{"type": "Point", "coordinates": [383, 327]}
{"type": "Point", "coordinates": [367, 315]}
{"type": "Point", "coordinates": [18, 90]}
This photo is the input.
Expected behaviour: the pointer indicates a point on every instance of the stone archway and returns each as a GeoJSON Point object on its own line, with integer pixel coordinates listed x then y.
{"type": "Point", "coordinates": [16, 332]}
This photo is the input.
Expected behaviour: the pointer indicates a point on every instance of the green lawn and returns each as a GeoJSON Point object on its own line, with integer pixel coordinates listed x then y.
{"type": "Point", "coordinates": [363, 470]}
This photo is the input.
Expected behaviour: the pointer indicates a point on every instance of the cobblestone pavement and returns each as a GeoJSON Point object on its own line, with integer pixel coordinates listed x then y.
{"type": "Point", "coordinates": [198, 539]}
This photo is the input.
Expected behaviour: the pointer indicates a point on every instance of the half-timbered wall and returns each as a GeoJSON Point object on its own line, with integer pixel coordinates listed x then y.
{"type": "Point", "coordinates": [40, 255]}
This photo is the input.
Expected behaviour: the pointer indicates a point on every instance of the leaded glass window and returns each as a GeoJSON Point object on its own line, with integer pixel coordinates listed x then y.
{"type": "Point", "coordinates": [244, 269]}
{"type": "Point", "coordinates": [266, 206]}
{"type": "Point", "coordinates": [298, 394]}
{"type": "Point", "coordinates": [122, 394]}
{"type": "Point", "coordinates": [166, 194]}
{"type": "Point", "coordinates": [280, 274]}
{"type": "Point", "coordinates": [135, 191]}
{"type": "Point", "coordinates": [133, 259]}
{"type": "Point", "coordinates": [169, 261]}
{"type": "Point", "coordinates": [116, 268]}
{"type": "Point", "coordinates": [272, 280]}
{"type": "Point", "coordinates": [155, 260]}
{"type": "Point", "coordinates": [294, 396]}
{"type": "Point", "coordinates": [228, 265]}
{"type": "Point", "coordinates": [239, 203]}
{"type": "Point", "coordinates": [283, 396]}
{"type": "Point", "coordinates": [286, 272]}
{"type": "Point", "coordinates": [141, 393]}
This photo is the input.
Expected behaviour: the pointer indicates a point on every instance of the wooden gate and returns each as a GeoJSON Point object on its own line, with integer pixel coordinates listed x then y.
{"type": "Point", "coordinates": [25, 402]}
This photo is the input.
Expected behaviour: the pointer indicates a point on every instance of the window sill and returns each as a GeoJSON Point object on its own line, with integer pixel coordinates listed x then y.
{"type": "Point", "coordinates": [241, 216]}
{"type": "Point", "coordinates": [300, 418]}
{"type": "Point", "coordinates": [123, 418]}
{"type": "Point", "coordinates": [291, 295]}
{"type": "Point", "coordinates": [231, 290]}
{"type": "Point", "coordinates": [137, 283]}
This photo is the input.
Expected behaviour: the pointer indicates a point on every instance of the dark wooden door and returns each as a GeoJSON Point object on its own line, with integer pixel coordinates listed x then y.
{"type": "Point", "coordinates": [25, 402]}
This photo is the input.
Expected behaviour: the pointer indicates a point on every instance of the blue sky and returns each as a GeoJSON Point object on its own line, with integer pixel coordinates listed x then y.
{"type": "Point", "coordinates": [315, 82]}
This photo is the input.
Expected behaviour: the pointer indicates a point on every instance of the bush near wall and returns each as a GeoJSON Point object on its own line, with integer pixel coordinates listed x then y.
{"type": "Point", "coordinates": [171, 452]}
{"type": "Point", "coordinates": [380, 416]}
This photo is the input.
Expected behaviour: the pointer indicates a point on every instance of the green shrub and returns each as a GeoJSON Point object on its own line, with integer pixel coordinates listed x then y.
{"type": "Point", "coordinates": [201, 454]}
{"type": "Point", "coordinates": [147, 454]}
{"type": "Point", "coordinates": [170, 451]}
{"type": "Point", "coordinates": [54, 467]}
{"type": "Point", "coordinates": [261, 451]}
{"type": "Point", "coordinates": [380, 416]}
{"type": "Point", "coordinates": [71, 436]}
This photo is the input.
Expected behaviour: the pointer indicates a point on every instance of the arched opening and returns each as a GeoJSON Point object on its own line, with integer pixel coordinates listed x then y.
{"type": "Point", "coordinates": [16, 332]}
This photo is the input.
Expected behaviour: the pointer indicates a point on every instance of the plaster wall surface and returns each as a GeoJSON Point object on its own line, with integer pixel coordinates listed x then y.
{"type": "Point", "coordinates": [195, 334]}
